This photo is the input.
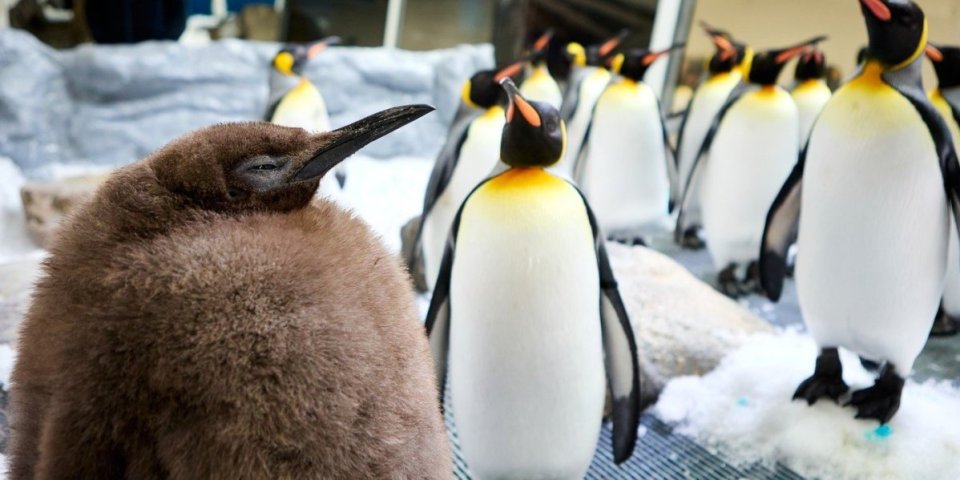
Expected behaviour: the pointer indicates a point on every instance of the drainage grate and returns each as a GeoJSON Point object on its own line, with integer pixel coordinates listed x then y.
{"type": "Point", "coordinates": [660, 455]}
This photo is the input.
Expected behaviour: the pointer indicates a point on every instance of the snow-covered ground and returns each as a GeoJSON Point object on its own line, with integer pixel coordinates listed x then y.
{"type": "Point", "coordinates": [743, 409]}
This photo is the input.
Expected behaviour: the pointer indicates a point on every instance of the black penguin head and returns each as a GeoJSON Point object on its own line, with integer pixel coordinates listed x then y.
{"type": "Point", "coordinates": [534, 135]}
{"type": "Point", "coordinates": [596, 55]}
{"type": "Point", "coordinates": [635, 63]}
{"type": "Point", "coordinates": [483, 90]}
{"type": "Point", "coordinates": [812, 65]}
{"type": "Point", "coordinates": [897, 30]}
{"type": "Point", "coordinates": [946, 61]}
{"type": "Point", "coordinates": [729, 54]}
{"type": "Point", "coordinates": [261, 166]}
{"type": "Point", "coordinates": [766, 66]}
{"type": "Point", "coordinates": [292, 59]}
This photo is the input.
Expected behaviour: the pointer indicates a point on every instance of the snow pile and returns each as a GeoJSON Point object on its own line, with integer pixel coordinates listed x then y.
{"type": "Point", "coordinates": [743, 409]}
{"type": "Point", "coordinates": [14, 241]}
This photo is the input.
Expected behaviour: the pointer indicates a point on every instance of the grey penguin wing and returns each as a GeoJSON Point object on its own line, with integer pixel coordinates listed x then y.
{"type": "Point", "coordinates": [620, 351]}
{"type": "Point", "coordinates": [571, 97]}
{"type": "Point", "coordinates": [698, 161]}
{"type": "Point", "coordinates": [780, 231]}
{"type": "Point", "coordinates": [673, 169]}
{"type": "Point", "coordinates": [942, 139]}
{"type": "Point", "coordinates": [580, 162]}
{"type": "Point", "coordinates": [272, 110]}
{"type": "Point", "coordinates": [437, 322]}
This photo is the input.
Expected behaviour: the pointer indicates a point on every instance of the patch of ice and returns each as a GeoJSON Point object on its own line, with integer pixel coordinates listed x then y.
{"type": "Point", "coordinates": [7, 357]}
{"type": "Point", "coordinates": [386, 193]}
{"type": "Point", "coordinates": [744, 409]}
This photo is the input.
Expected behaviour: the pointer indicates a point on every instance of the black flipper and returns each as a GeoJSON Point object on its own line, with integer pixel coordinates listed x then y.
{"type": "Point", "coordinates": [942, 139]}
{"type": "Point", "coordinates": [443, 170]}
{"type": "Point", "coordinates": [579, 163]}
{"type": "Point", "coordinates": [673, 168]}
{"type": "Point", "coordinates": [698, 162]}
{"type": "Point", "coordinates": [780, 231]}
{"type": "Point", "coordinates": [620, 352]}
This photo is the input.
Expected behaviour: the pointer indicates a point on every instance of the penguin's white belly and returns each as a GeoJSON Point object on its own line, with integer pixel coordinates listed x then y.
{"type": "Point", "coordinates": [951, 291]}
{"type": "Point", "coordinates": [591, 88]}
{"type": "Point", "coordinates": [873, 227]}
{"type": "Point", "coordinates": [811, 96]}
{"type": "Point", "coordinates": [624, 173]}
{"type": "Point", "coordinates": [526, 354]}
{"type": "Point", "coordinates": [753, 152]}
{"type": "Point", "coordinates": [478, 157]}
{"type": "Point", "coordinates": [541, 87]}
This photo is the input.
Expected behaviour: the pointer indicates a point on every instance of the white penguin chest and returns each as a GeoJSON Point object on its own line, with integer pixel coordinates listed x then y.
{"type": "Point", "coordinates": [810, 96]}
{"type": "Point", "coordinates": [754, 150]}
{"type": "Point", "coordinates": [303, 107]}
{"type": "Point", "coordinates": [705, 105]}
{"type": "Point", "coordinates": [526, 352]}
{"type": "Point", "coordinates": [541, 87]}
{"type": "Point", "coordinates": [624, 172]}
{"type": "Point", "coordinates": [873, 225]}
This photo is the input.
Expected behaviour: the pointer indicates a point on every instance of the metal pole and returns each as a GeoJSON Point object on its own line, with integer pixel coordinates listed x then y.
{"type": "Point", "coordinates": [391, 31]}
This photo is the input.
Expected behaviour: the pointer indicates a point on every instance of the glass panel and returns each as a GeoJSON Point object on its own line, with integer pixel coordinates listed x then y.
{"type": "Point", "coordinates": [357, 22]}
{"type": "Point", "coordinates": [429, 24]}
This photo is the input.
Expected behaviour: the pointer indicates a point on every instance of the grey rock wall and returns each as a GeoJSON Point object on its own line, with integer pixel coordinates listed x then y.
{"type": "Point", "coordinates": [111, 105]}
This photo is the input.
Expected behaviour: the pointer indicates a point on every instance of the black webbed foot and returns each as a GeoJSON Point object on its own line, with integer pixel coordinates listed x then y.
{"type": "Point", "coordinates": [944, 325]}
{"type": "Point", "coordinates": [826, 381]}
{"type": "Point", "coordinates": [628, 240]}
{"type": "Point", "coordinates": [752, 282]}
{"type": "Point", "coordinates": [728, 282]}
{"type": "Point", "coordinates": [869, 364]}
{"type": "Point", "coordinates": [691, 239]}
{"type": "Point", "coordinates": [881, 401]}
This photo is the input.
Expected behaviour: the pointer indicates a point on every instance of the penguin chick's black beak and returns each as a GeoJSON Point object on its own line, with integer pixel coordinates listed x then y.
{"type": "Point", "coordinates": [351, 138]}
{"type": "Point", "coordinates": [785, 55]}
{"type": "Point", "coordinates": [322, 45]}
{"type": "Point", "coordinates": [879, 9]}
{"type": "Point", "coordinates": [517, 102]}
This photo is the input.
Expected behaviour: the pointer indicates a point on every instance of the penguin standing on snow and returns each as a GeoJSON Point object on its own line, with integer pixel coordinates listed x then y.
{"type": "Point", "coordinates": [747, 153]}
{"type": "Point", "coordinates": [539, 86]}
{"type": "Point", "coordinates": [725, 73]}
{"type": "Point", "coordinates": [810, 92]}
{"type": "Point", "coordinates": [296, 102]}
{"type": "Point", "coordinates": [869, 203]}
{"type": "Point", "coordinates": [626, 167]}
{"type": "Point", "coordinates": [588, 79]}
{"type": "Point", "coordinates": [205, 317]}
{"type": "Point", "coordinates": [527, 311]}
{"type": "Point", "coordinates": [470, 155]}
{"type": "Point", "coordinates": [946, 99]}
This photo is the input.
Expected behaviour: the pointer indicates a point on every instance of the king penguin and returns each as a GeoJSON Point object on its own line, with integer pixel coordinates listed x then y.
{"type": "Point", "coordinates": [526, 310]}
{"type": "Point", "coordinates": [810, 90]}
{"type": "Point", "coordinates": [747, 153]}
{"type": "Point", "coordinates": [869, 203]}
{"type": "Point", "coordinates": [588, 79]}
{"type": "Point", "coordinates": [471, 154]}
{"type": "Point", "coordinates": [725, 71]}
{"type": "Point", "coordinates": [626, 167]}
{"type": "Point", "coordinates": [539, 85]}
{"type": "Point", "coordinates": [205, 316]}
{"type": "Point", "coordinates": [946, 98]}
{"type": "Point", "coordinates": [296, 102]}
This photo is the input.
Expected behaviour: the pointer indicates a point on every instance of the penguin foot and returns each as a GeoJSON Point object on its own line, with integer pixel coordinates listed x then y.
{"type": "Point", "coordinates": [869, 364]}
{"type": "Point", "coordinates": [691, 239]}
{"type": "Point", "coordinates": [752, 283]}
{"type": "Point", "coordinates": [628, 240]}
{"type": "Point", "coordinates": [881, 401]}
{"type": "Point", "coordinates": [826, 381]}
{"type": "Point", "coordinates": [729, 283]}
{"type": "Point", "coordinates": [944, 325]}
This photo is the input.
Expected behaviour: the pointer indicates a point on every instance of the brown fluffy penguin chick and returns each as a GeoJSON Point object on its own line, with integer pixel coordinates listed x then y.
{"type": "Point", "coordinates": [200, 318]}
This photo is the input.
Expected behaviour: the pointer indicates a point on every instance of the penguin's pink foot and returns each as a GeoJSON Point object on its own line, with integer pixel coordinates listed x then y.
{"type": "Point", "coordinates": [691, 240]}
{"type": "Point", "coordinates": [881, 401]}
{"type": "Point", "coordinates": [827, 379]}
{"type": "Point", "coordinates": [944, 325]}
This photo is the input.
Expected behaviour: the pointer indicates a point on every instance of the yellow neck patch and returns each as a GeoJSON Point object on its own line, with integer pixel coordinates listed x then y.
{"type": "Point", "coordinates": [493, 112]}
{"type": "Point", "coordinates": [283, 62]}
{"type": "Point", "coordinates": [870, 78]}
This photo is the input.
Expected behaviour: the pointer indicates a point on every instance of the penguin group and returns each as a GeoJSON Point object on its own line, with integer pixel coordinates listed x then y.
{"type": "Point", "coordinates": [206, 314]}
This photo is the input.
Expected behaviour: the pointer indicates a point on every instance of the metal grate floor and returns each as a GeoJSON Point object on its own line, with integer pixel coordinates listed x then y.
{"type": "Point", "coordinates": [660, 455]}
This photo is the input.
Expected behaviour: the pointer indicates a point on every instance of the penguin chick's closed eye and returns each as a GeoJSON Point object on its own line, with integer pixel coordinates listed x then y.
{"type": "Point", "coordinates": [200, 318]}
